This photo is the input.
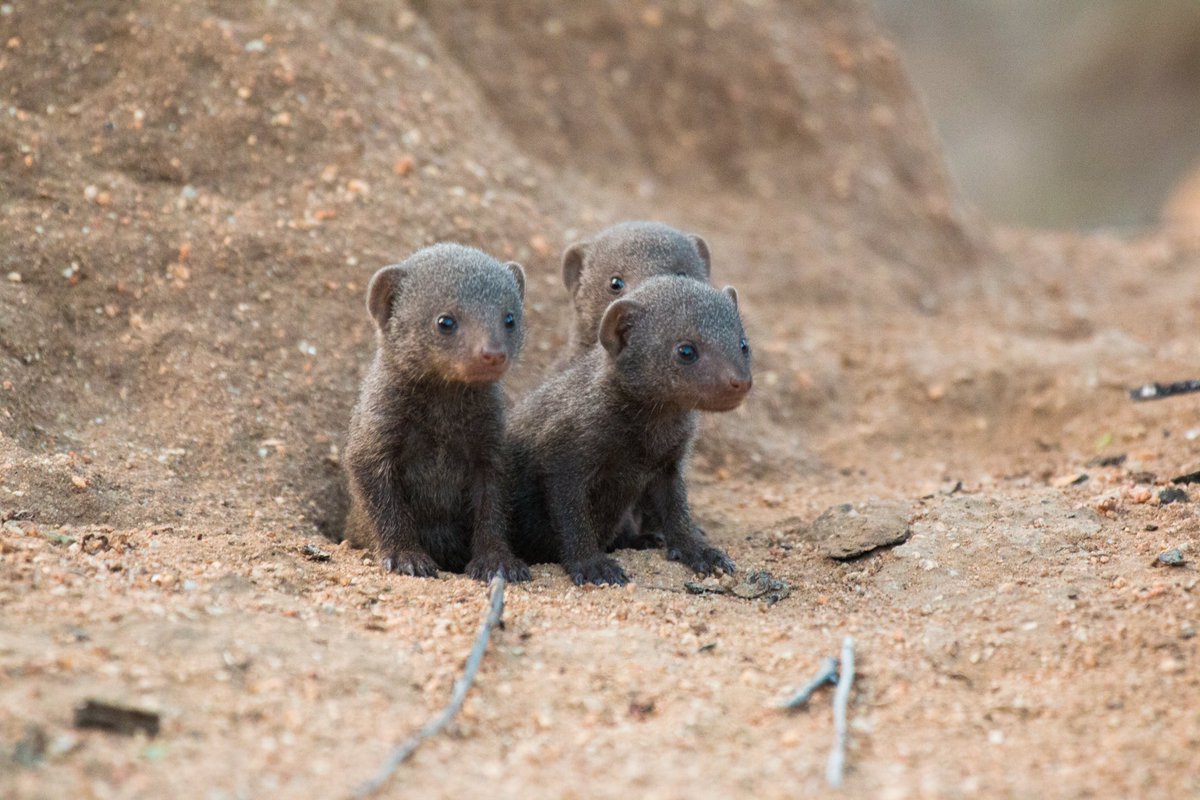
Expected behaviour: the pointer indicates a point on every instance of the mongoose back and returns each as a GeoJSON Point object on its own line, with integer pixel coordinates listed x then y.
{"type": "Point", "coordinates": [617, 427]}
{"type": "Point", "coordinates": [615, 262]}
{"type": "Point", "coordinates": [423, 456]}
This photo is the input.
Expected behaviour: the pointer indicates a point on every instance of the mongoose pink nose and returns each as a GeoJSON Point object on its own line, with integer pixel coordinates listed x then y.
{"type": "Point", "coordinates": [740, 385]}
{"type": "Point", "coordinates": [493, 358]}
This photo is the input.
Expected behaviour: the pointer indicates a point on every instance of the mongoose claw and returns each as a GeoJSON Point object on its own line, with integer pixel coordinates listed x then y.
{"type": "Point", "coordinates": [600, 570]}
{"type": "Point", "coordinates": [485, 567]}
{"type": "Point", "coordinates": [704, 559]}
{"type": "Point", "coordinates": [410, 562]}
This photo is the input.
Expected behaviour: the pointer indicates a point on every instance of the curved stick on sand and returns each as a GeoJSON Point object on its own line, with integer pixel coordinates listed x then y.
{"type": "Point", "coordinates": [826, 675]}
{"type": "Point", "coordinates": [841, 699]}
{"type": "Point", "coordinates": [404, 750]}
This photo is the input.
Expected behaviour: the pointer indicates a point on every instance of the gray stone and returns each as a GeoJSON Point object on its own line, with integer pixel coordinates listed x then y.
{"type": "Point", "coordinates": [1172, 558]}
{"type": "Point", "coordinates": [847, 531]}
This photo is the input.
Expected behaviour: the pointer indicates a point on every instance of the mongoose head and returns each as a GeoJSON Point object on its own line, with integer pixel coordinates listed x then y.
{"type": "Point", "coordinates": [679, 342]}
{"type": "Point", "coordinates": [451, 312]}
{"type": "Point", "coordinates": [619, 259]}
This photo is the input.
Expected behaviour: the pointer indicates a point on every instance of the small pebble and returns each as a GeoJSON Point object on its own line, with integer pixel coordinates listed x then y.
{"type": "Point", "coordinates": [1172, 558]}
{"type": "Point", "coordinates": [314, 553]}
{"type": "Point", "coordinates": [1172, 494]}
{"type": "Point", "coordinates": [1070, 479]}
{"type": "Point", "coordinates": [1170, 666]}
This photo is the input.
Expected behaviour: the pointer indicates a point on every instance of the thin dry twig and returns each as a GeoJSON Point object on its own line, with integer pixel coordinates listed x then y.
{"type": "Point", "coordinates": [403, 751]}
{"type": "Point", "coordinates": [826, 675]}
{"type": "Point", "coordinates": [116, 719]}
{"type": "Point", "coordinates": [1155, 391]}
{"type": "Point", "coordinates": [841, 699]}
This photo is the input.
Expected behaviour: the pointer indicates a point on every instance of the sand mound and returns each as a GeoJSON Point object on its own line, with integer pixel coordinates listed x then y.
{"type": "Point", "coordinates": [197, 194]}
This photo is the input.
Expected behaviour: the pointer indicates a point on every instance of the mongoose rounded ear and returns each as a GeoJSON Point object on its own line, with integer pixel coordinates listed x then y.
{"type": "Point", "coordinates": [702, 249]}
{"type": "Point", "coordinates": [572, 265]}
{"type": "Point", "coordinates": [616, 324]}
{"type": "Point", "coordinates": [731, 293]}
{"type": "Point", "coordinates": [380, 292]}
{"type": "Point", "coordinates": [518, 272]}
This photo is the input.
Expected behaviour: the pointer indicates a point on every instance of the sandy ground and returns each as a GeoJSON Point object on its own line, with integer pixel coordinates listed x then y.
{"type": "Point", "coordinates": [194, 198]}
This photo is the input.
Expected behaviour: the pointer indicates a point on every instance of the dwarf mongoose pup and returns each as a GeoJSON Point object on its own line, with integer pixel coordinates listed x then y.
{"type": "Point", "coordinates": [615, 262]}
{"type": "Point", "coordinates": [610, 265]}
{"type": "Point", "coordinates": [424, 452]}
{"type": "Point", "coordinates": [617, 426]}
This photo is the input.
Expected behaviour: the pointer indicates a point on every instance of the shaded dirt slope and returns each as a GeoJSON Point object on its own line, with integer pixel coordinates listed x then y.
{"type": "Point", "coordinates": [194, 196]}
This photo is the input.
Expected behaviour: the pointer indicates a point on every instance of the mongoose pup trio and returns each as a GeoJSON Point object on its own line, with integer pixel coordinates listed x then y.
{"type": "Point", "coordinates": [589, 458]}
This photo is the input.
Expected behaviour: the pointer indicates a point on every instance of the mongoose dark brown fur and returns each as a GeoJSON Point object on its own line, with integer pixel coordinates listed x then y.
{"type": "Point", "coordinates": [424, 452]}
{"type": "Point", "coordinates": [605, 268]}
{"type": "Point", "coordinates": [615, 262]}
{"type": "Point", "coordinates": [618, 424]}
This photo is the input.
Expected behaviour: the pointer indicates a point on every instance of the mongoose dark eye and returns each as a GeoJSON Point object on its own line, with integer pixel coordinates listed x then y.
{"type": "Point", "coordinates": [745, 347]}
{"type": "Point", "coordinates": [616, 283]}
{"type": "Point", "coordinates": [446, 323]}
{"type": "Point", "coordinates": [687, 353]}
{"type": "Point", "coordinates": [510, 321]}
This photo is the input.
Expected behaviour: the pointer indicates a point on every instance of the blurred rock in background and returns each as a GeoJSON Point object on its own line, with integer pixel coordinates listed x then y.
{"type": "Point", "coordinates": [1081, 114]}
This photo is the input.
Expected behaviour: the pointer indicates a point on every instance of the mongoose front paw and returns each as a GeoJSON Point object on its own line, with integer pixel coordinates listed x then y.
{"type": "Point", "coordinates": [598, 570]}
{"type": "Point", "coordinates": [703, 559]}
{"type": "Point", "coordinates": [410, 562]}
{"type": "Point", "coordinates": [486, 566]}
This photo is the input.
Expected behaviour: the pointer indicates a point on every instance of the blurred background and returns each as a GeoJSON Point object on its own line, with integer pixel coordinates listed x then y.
{"type": "Point", "coordinates": [1069, 114]}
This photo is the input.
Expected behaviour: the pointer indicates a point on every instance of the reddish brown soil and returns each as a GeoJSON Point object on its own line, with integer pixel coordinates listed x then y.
{"type": "Point", "coordinates": [193, 197]}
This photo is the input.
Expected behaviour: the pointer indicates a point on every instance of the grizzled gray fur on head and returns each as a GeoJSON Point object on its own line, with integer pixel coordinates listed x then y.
{"type": "Point", "coordinates": [618, 260]}
{"type": "Point", "coordinates": [678, 342]}
{"type": "Point", "coordinates": [615, 429]}
{"type": "Point", "coordinates": [450, 311]}
{"type": "Point", "coordinates": [423, 457]}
